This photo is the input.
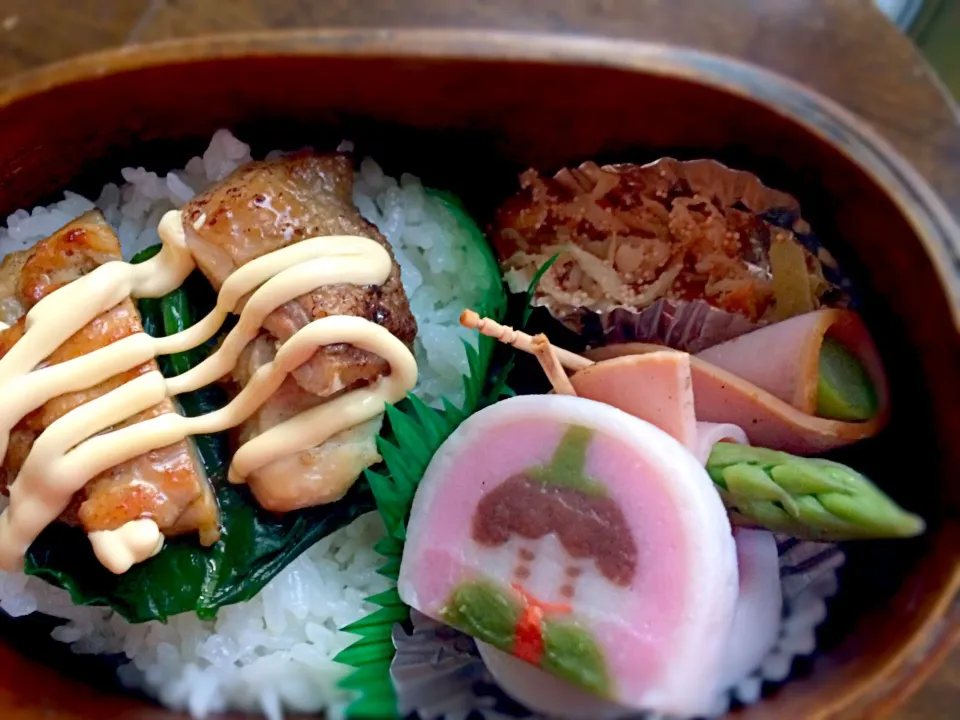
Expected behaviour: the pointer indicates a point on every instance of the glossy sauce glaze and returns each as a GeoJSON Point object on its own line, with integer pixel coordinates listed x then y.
{"type": "Point", "coordinates": [71, 452]}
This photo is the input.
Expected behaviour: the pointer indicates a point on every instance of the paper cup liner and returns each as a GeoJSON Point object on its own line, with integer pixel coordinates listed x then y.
{"type": "Point", "coordinates": [439, 675]}
{"type": "Point", "coordinates": [687, 325]}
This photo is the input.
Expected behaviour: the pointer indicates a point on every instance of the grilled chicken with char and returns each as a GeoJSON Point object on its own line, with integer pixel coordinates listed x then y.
{"type": "Point", "coordinates": [169, 484]}
{"type": "Point", "coordinates": [266, 206]}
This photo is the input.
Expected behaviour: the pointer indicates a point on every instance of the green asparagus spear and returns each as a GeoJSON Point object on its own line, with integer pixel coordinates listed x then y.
{"type": "Point", "coordinates": [844, 389]}
{"type": "Point", "coordinates": [808, 498]}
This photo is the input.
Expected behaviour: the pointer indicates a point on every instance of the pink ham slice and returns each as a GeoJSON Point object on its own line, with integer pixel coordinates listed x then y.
{"type": "Point", "coordinates": [760, 370]}
{"type": "Point", "coordinates": [661, 629]}
{"type": "Point", "coordinates": [656, 387]}
{"type": "Point", "coordinates": [784, 358]}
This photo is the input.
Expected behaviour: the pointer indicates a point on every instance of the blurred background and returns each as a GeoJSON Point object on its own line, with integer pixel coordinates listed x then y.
{"type": "Point", "coordinates": [934, 25]}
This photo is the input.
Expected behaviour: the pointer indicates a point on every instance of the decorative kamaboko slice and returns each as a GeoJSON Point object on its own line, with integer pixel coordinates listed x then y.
{"type": "Point", "coordinates": [756, 626]}
{"type": "Point", "coordinates": [756, 622]}
{"type": "Point", "coordinates": [544, 693]}
{"type": "Point", "coordinates": [582, 540]}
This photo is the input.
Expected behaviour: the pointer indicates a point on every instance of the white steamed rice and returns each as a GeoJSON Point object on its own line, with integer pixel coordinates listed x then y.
{"type": "Point", "coordinates": [275, 651]}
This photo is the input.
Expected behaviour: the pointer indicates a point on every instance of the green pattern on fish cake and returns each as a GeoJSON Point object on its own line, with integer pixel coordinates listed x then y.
{"type": "Point", "coordinates": [566, 466]}
{"type": "Point", "coordinates": [485, 611]}
{"type": "Point", "coordinates": [570, 653]}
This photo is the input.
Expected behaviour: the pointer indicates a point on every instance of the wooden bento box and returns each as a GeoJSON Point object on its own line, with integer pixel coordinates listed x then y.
{"type": "Point", "coordinates": [470, 110]}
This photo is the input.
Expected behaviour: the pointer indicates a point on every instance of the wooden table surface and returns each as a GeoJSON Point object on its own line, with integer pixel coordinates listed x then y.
{"type": "Point", "coordinates": [844, 48]}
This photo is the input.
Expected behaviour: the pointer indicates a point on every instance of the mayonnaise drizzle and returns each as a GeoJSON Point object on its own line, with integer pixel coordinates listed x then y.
{"type": "Point", "coordinates": [119, 550]}
{"type": "Point", "coordinates": [69, 453]}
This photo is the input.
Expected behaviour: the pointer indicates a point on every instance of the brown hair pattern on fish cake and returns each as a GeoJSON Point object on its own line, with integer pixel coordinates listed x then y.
{"type": "Point", "coordinates": [559, 499]}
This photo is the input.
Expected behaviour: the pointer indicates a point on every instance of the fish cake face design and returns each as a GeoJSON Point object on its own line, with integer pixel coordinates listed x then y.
{"type": "Point", "coordinates": [579, 539]}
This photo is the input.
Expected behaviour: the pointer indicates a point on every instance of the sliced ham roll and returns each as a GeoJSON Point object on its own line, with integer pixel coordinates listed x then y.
{"type": "Point", "coordinates": [583, 541]}
{"type": "Point", "coordinates": [656, 387]}
{"type": "Point", "coordinates": [784, 358]}
{"type": "Point", "coordinates": [764, 380]}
